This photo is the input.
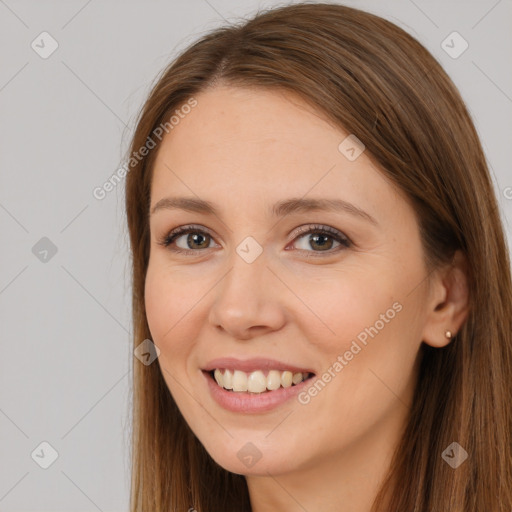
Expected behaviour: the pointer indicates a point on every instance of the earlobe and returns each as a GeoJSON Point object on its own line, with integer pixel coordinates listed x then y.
{"type": "Point", "coordinates": [448, 305]}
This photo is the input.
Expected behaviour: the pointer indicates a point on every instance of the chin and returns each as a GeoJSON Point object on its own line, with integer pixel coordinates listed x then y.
{"type": "Point", "coordinates": [245, 458]}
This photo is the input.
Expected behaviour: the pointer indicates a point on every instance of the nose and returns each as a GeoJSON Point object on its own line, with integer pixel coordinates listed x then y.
{"type": "Point", "coordinates": [247, 300]}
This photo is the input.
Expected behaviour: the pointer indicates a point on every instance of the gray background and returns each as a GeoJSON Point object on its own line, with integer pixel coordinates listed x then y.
{"type": "Point", "coordinates": [66, 121]}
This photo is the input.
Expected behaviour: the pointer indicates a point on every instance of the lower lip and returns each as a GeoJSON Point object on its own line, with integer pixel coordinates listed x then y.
{"type": "Point", "coordinates": [245, 402]}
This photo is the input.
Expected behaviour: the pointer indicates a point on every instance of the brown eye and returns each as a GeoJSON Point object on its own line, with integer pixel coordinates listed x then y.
{"type": "Point", "coordinates": [195, 240]}
{"type": "Point", "coordinates": [190, 239]}
{"type": "Point", "coordinates": [322, 239]}
{"type": "Point", "coordinates": [187, 239]}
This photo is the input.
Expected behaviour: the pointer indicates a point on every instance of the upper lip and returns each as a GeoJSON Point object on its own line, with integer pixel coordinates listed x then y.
{"type": "Point", "coordinates": [250, 365]}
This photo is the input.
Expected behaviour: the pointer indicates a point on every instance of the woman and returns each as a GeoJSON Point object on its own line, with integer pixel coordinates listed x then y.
{"type": "Point", "coordinates": [319, 260]}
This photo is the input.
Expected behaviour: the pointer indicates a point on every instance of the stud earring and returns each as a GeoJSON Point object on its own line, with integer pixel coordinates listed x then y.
{"type": "Point", "coordinates": [448, 334]}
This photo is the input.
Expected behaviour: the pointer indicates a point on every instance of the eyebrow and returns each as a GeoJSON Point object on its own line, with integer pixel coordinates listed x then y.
{"type": "Point", "coordinates": [280, 209]}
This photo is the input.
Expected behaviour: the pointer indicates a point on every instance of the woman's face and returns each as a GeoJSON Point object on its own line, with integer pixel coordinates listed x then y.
{"type": "Point", "coordinates": [276, 290]}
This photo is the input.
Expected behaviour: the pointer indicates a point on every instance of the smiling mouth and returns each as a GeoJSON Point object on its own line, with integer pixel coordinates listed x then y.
{"type": "Point", "coordinates": [258, 381]}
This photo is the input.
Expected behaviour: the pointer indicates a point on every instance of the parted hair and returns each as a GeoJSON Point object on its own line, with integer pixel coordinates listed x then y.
{"type": "Point", "coordinates": [378, 82]}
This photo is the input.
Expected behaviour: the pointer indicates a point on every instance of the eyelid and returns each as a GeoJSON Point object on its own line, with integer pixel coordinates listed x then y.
{"type": "Point", "coordinates": [179, 231]}
{"type": "Point", "coordinates": [298, 232]}
{"type": "Point", "coordinates": [187, 227]}
{"type": "Point", "coordinates": [336, 234]}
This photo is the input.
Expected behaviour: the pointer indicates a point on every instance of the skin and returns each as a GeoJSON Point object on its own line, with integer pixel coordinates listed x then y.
{"type": "Point", "coordinates": [244, 150]}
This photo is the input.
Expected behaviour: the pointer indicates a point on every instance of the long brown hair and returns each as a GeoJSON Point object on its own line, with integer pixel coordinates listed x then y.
{"type": "Point", "coordinates": [376, 81]}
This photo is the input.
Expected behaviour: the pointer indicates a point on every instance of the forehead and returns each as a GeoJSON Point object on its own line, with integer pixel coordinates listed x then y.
{"type": "Point", "coordinates": [239, 144]}
{"type": "Point", "coordinates": [259, 134]}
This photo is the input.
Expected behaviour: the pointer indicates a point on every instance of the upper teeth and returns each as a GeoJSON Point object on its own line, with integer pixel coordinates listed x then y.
{"type": "Point", "coordinates": [257, 382]}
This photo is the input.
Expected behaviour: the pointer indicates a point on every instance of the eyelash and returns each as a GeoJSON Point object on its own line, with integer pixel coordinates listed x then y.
{"type": "Point", "coordinates": [345, 242]}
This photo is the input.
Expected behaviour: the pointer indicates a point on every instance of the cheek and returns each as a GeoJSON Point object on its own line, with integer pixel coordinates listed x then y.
{"type": "Point", "coordinates": [167, 308]}
{"type": "Point", "coordinates": [366, 332]}
{"type": "Point", "coordinates": [166, 312]}
{"type": "Point", "coordinates": [342, 304]}
{"type": "Point", "coordinates": [371, 335]}
{"type": "Point", "coordinates": [157, 296]}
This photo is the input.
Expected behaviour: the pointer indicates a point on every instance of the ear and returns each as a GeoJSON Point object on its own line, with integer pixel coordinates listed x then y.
{"type": "Point", "coordinates": [448, 302]}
